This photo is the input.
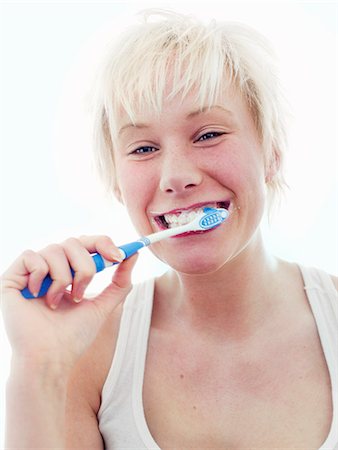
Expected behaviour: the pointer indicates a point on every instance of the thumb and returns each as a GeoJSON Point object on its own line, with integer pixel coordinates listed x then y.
{"type": "Point", "coordinates": [120, 286]}
{"type": "Point", "coordinates": [122, 275]}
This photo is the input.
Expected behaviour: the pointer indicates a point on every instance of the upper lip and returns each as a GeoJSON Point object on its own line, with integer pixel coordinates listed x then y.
{"type": "Point", "coordinates": [191, 207]}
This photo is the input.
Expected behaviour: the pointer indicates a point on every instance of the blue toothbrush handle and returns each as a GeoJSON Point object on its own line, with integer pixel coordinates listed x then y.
{"type": "Point", "coordinates": [133, 247]}
{"type": "Point", "coordinates": [128, 249]}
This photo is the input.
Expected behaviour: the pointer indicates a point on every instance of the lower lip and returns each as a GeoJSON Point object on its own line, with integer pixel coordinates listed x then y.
{"type": "Point", "coordinates": [192, 233]}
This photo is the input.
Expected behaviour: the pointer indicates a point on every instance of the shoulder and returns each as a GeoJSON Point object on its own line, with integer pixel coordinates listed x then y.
{"type": "Point", "coordinates": [307, 276]}
{"type": "Point", "coordinates": [314, 276]}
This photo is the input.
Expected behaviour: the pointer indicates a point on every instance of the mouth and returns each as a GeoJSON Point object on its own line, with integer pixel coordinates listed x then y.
{"type": "Point", "coordinates": [180, 217]}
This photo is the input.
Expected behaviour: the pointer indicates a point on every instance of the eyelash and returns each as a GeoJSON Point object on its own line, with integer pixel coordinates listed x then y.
{"type": "Point", "coordinates": [213, 133]}
{"type": "Point", "coordinates": [140, 150]}
{"type": "Point", "coordinates": [204, 137]}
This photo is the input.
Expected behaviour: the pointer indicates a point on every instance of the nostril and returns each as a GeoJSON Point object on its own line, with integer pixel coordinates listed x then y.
{"type": "Point", "coordinates": [176, 188]}
{"type": "Point", "coordinates": [179, 182]}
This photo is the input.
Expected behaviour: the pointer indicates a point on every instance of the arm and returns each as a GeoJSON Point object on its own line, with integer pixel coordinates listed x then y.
{"type": "Point", "coordinates": [35, 397]}
{"type": "Point", "coordinates": [82, 428]}
{"type": "Point", "coordinates": [48, 342]}
{"type": "Point", "coordinates": [59, 414]}
{"type": "Point", "coordinates": [85, 387]}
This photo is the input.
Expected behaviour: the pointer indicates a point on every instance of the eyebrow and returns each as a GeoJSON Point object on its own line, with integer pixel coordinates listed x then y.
{"type": "Point", "coordinates": [189, 116]}
{"type": "Point", "coordinates": [206, 109]}
{"type": "Point", "coordinates": [133, 125]}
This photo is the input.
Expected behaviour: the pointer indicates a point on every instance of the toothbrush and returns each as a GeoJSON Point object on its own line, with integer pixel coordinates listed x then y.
{"type": "Point", "coordinates": [209, 218]}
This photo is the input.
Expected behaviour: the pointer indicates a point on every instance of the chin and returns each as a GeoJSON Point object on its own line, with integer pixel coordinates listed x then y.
{"type": "Point", "coordinates": [195, 265]}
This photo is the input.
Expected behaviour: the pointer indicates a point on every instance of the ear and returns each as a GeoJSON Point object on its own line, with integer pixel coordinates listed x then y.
{"type": "Point", "coordinates": [273, 166]}
{"type": "Point", "coordinates": [117, 193]}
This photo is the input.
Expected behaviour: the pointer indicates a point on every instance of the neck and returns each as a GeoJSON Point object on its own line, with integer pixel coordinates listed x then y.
{"type": "Point", "coordinates": [234, 299]}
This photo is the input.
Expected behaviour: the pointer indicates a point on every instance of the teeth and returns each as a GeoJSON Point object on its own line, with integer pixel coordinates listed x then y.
{"type": "Point", "coordinates": [175, 220]}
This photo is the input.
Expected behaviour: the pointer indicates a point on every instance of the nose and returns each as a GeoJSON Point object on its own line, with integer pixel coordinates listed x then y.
{"type": "Point", "coordinates": [179, 172]}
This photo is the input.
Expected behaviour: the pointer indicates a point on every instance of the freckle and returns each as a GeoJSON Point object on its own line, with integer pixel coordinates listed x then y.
{"type": "Point", "coordinates": [194, 407]}
{"type": "Point", "coordinates": [181, 376]}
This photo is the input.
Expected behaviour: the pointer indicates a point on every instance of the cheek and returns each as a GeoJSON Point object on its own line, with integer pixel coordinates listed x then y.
{"type": "Point", "coordinates": [239, 168]}
{"type": "Point", "coordinates": [136, 186]}
{"type": "Point", "coordinates": [133, 186]}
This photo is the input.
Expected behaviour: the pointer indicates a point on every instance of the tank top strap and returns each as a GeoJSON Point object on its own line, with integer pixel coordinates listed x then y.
{"type": "Point", "coordinates": [133, 331]}
{"type": "Point", "coordinates": [323, 299]}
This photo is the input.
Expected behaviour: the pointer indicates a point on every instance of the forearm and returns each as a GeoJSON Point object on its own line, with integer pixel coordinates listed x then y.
{"type": "Point", "coordinates": [35, 406]}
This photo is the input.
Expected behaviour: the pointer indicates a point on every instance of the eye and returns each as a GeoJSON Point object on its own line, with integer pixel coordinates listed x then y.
{"type": "Point", "coordinates": [146, 150]}
{"type": "Point", "coordinates": [209, 135]}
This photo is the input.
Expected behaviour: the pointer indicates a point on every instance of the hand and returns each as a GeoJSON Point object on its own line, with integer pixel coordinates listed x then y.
{"type": "Point", "coordinates": [61, 325]}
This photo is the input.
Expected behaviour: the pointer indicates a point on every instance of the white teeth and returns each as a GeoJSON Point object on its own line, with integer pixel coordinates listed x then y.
{"type": "Point", "coordinates": [175, 220]}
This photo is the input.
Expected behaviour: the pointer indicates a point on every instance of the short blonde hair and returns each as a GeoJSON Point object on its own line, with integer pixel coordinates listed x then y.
{"type": "Point", "coordinates": [207, 57]}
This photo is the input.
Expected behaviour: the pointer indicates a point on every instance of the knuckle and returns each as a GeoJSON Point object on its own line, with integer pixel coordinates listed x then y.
{"type": "Point", "coordinates": [103, 238]}
{"type": "Point", "coordinates": [70, 242]}
{"type": "Point", "coordinates": [41, 270]}
{"type": "Point", "coordinates": [35, 262]}
{"type": "Point", "coordinates": [53, 248]}
{"type": "Point", "coordinates": [63, 282]}
{"type": "Point", "coordinates": [105, 241]}
{"type": "Point", "coordinates": [85, 274]}
{"type": "Point", "coordinates": [28, 253]}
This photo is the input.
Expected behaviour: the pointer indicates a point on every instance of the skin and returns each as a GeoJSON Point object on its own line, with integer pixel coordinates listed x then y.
{"type": "Point", "coordinates": [190, 169]}
{"type": "Point", "coordinates": [222, 312]}
{"type": "Point", "coordinates": [49, 335]}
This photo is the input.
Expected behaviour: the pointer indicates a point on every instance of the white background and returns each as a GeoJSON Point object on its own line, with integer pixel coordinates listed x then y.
{"type": "Point", "coordinates": [48, 189]}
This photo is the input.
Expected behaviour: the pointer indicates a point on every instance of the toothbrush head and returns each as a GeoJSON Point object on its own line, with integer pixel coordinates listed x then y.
{"type": "Point", "coordinates": [210, 218]}
{"type": "Point", "coordinates": [206, 220]}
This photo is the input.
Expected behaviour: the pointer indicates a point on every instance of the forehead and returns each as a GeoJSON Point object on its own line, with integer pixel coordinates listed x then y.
{"type": "Point", "coordinates": [188, 106]}
{"type": "Point", "coordinates": [167, 83]}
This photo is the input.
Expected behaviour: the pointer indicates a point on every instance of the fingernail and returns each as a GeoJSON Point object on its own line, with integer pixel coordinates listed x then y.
{"type": "Point", "coordinates": [79, 292]}
{"type": "Point", "coordinates": [56, 300]}
{"type": "Point", "coordinates": [118, 256]}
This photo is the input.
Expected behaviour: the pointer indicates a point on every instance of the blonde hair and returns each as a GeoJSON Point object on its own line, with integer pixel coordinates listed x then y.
{"type": "Point", "coordinates": [206, 57]}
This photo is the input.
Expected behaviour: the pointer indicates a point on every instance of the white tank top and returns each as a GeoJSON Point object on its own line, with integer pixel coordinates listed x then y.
{"type": "Point", "coordinates": [122, 421]}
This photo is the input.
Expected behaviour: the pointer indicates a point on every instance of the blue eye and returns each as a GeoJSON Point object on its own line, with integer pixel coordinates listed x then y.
{"type": "Point", "coordinates": [209, 135]}
{"type": "Point", "coordinates": [144, 150]}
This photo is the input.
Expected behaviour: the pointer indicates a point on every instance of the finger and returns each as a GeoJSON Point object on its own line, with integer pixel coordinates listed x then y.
{"type": "Point", "coordinates": [122, 275]}
{"type": "Point", "coordinates": [103, 245]}
{"type": "Point", "coordinates": [38, 271]}
{"type": "Point", "coordinates": [82, 264]}
{"type": "Point", "coordinates": [28, 270]}
{"type": "Point", "coordinates": [116, 292]}
{"type": "Point", "coordinates": [59, 271]}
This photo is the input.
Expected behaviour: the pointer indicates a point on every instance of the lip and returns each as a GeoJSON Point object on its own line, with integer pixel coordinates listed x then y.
{"type": "Point", "coordinates": [188, 208]}
{"type": "Point", "coordinates": [157, 217]}
{"type": "Point", "coordinates": [192, 233]}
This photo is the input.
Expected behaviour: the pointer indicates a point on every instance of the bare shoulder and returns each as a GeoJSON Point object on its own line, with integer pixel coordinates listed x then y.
{"type": "Point", "coordinates": [289, 274]}
{"type": "Point", "coordinates": [85, 386]}
{"type": "Point", "coordinates": [292, 272]}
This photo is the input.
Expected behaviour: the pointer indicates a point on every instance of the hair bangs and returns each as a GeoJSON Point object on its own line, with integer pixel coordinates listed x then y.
{"type": "Point", "coordinates": [169, 63]}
